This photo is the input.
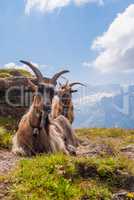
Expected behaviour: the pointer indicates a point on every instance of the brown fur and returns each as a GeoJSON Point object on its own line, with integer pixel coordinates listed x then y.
{"type": "Point", "coordinates": [53, 137]}
{"type": "Point", "coordinates": [36, 132]}
{"type": "Point", "coordinates": [62, 104]}
{"type": "Point", "coordinates": [23, 139]}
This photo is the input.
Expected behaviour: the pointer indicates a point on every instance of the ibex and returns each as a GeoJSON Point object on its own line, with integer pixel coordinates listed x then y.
{"type": "Point", "coordinates": [62, 103]}
{"type": "Point", "coordinates": [50, 136]}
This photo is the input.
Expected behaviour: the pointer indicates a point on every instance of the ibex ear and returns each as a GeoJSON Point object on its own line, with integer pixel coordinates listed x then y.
{"type": "Point", "coordinates": [73, 91]}
{"type": "Point", "coordinates": [32, 85]}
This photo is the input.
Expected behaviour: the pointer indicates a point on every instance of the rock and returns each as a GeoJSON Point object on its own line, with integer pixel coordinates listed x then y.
{"type": "Point", "coordinates": [71, 149]}
{"type": "Point", "coordinates": [15, 96]}
{"type": "Point", "coordinates": [120, 195]}
{"type": "Point", "coordinates": [129, 148]}
{"type": "Point", "coordinates": [128, 151]}
{"type": "Point", "coordinates": [84, 142]}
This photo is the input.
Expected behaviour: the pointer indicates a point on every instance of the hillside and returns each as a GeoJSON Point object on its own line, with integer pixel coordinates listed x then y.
{"type": "Point", "coordinates": [103, 168]}
{"type": "Point", "coordinates": [6, 73]}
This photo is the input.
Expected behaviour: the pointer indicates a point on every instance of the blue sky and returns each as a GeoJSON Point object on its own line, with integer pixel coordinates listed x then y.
{"type": "Point", "coordinates": [62, 38]}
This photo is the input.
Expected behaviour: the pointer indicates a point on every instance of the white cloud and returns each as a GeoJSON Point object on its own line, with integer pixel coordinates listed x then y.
{"type": "Point", "coordinates": [80, 2]}
{"type": "Point", "coordinates": [14, 66]}
{"type": "Point", "coordinates": [10, 65]}
{"type": "Point", "coordinates": [50, 5]}
{"type": "Point", "coordinates": [87, 64]}
{"type": "Point", "coordinates": [23, 66]}
{"type": "Point", "coordinates": [116, 46]}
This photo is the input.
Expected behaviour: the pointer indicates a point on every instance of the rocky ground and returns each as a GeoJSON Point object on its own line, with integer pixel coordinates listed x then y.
{"type": "Point", "coordinates": [8, 160]}
{"type": "Point", "coordinates": [7, 163]}
{"type": "Point", "coordinates": [87, 148]}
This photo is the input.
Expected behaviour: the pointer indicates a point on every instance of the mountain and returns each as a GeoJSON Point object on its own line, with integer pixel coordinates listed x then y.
{"type": "Point", "coordinates": [105, 106]}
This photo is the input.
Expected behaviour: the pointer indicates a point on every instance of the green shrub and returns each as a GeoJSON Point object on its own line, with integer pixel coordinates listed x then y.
{"type": "Point", "coordinates": [5, 139]}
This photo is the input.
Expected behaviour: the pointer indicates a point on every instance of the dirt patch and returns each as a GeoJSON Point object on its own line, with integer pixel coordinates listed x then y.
{"type": "Point", "coordinates": [94, 149]}
{"type": "Point", "coordinates": [89, 148]}
{"type": "Point", "coordinates": [7, 163]}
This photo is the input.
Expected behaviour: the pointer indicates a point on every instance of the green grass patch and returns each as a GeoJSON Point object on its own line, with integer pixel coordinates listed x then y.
{"type": "Point", "coordinates": [58, 177]}
{"type": "Point", "coordinates": [7, 129]}
{"type": "Point", "coordinates": [6, 73]}
{"type": "Point", "coordinates": [5, 139]}
{"type": "Point", "coordinates": [8, 123]}
{"type": "Point", "coordinates": [104, 132]}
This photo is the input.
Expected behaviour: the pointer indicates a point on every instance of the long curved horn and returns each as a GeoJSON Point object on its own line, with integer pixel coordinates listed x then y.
{"type": "Point", "coordinates": [76, 83]}
{"type": "Point", "coordinates": [34, 69]}
{"type": "Point", "coordinates": [57, 75]}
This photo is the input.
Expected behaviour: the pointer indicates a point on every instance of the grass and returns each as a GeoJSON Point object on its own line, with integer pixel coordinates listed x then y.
{"type": "Point", "coordinates": [46, 177]}
{"type": "Point", "coordinates": [104, 132]}
{"type": "Point", "coordinates": [60, 177]}
{"type": "Point", "coordinates": [8, 123]}
{"type": "Point", "coordinates": [7, 129]}
{"type": "Point", "coordinates": [6, 73]}
{"type": "Point", "coordinates": [115, 139]}
{"type": "Point", "coordinates": [5, 139]}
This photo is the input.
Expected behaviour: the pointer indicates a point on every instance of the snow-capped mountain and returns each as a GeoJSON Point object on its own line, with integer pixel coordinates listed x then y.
{"type": "Point", "coordinates": [105, 106]}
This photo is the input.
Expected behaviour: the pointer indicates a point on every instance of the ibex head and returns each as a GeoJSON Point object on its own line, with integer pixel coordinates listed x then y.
{"type": "Point", "coordinates": [65, 91]}
{"type": "Point", "coordinates": [45, 87]}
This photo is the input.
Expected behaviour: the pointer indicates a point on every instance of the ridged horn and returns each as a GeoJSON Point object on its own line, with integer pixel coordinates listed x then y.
{"type": "Point", "coordinates": [34, 69]}
{"type": "Point", "coordinates": [76, 83]}
{"type": "Point", "coordinates": [57, 75]}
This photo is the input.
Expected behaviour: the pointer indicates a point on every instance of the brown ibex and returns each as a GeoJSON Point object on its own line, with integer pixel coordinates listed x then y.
{"type": "Point", "coordinates": [50, 136]}
{"type": "Point", "coordinates": [62, 103]}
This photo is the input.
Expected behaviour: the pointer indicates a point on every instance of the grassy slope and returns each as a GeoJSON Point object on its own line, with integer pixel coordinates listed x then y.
{"type": "Point", "coordinates": [6, 73]}
{"type": "Point", "coordinates": [58, 177]}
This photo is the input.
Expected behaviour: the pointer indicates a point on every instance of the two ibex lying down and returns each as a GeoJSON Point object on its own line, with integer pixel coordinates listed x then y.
{"type": "Point", "coordinates": [37, 132]}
